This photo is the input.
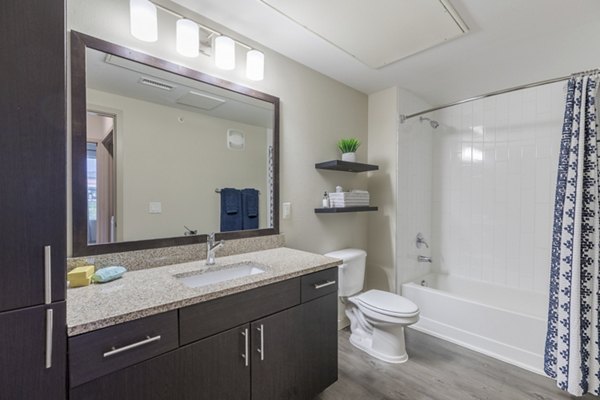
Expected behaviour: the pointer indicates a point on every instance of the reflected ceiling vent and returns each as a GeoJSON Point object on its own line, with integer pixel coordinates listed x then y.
{"type": "Point", "coordinates": [200, 100]}
{"type": "Point", "coordinates": [155, 83]}
{"type": "Point", "coordinates": [376, 32]}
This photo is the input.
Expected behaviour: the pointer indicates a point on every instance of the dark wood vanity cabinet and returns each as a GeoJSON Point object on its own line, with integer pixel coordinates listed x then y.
{"type": "Point", "coordinates": [281, 350]}
{"type": "Point", "coordinates": [32, 200]}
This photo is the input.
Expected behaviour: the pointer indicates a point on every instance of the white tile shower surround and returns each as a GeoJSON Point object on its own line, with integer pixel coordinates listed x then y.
{"type": "Point", "coordinates": [494, 173]}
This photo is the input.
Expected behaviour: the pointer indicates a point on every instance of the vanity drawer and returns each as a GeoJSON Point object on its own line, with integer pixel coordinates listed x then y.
{"type": "Point", "coordinates": [98, 353]}
{"type": "Point", "coordinates": [319, 284]}
{"type": "Point", "coordinates": [205, 319]}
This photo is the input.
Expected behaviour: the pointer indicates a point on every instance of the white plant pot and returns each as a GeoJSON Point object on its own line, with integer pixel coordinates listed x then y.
{"type": "Point", "coordinates": [350, 157]}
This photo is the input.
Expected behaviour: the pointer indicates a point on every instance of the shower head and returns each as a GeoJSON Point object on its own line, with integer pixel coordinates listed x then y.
{"type": "Point", "coordinates": [434, 124]}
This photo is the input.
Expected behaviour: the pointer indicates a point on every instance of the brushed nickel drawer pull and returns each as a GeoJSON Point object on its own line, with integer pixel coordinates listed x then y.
{"type": "Point", "coordinates": [49, 336]}
{"type": "Point", "coordinates": [324, 284]}
{"type": "Point", "coordinates": [47, 274]}
{"type": "Point", "coordinates": [246, 356]}
{"type": "Point", "coordinates": [261, 350]}
{"type": "Point", "coordinates": [115, 351]}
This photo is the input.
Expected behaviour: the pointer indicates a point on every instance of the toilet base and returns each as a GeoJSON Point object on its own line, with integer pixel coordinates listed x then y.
{"type": "Point", "coordinates": [366, 344]}
{"type": "Point", "coordinates": [384, 341]}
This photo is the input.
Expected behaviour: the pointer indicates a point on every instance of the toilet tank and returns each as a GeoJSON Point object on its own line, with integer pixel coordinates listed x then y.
{"type": "Point", "coordinates": [352, 271]}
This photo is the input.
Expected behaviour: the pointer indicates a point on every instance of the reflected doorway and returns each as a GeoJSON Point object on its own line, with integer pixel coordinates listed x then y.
{"type": "Point", "coordinates": [101, 193]}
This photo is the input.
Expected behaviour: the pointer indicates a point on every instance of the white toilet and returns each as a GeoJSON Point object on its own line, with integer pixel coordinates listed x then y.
{"type": "Point", "coordinates": [377, 318]}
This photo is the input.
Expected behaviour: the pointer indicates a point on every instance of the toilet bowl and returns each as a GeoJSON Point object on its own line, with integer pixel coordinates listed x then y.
{"type": "Point", "coordinates": [377, 318]}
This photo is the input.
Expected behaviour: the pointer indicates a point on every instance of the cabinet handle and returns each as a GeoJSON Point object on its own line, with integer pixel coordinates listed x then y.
{"type": "Point", "coordinates": [49, 336]}
{"type": "Point", "coordinates": [115, 351]}
{"type": "Point", "coordinates": [324, 284]}
{"type": "Point", "coordinates": [261, 349]}
{"type": "Point", "coordinates": [48, 274]}
{"type": "Point", "coordinates": [245, 356]}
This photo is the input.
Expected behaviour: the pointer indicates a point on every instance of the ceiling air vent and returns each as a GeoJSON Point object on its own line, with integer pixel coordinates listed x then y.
{"type": "Point", "coordinates": [155, 83]}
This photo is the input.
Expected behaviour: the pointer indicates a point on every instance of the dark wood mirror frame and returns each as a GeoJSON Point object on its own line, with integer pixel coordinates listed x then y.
{"type": "Point", "coordinates": [79, 43]}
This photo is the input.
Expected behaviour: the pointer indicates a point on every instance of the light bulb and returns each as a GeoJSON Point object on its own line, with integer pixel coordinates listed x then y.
{"type": "Point", "coordinates": [188, 38]}
{"type": "Point", "coordinates": [143, 20]}
{"type": "Point", "coordinates": [255, 65]}
{"type": "Point", "coordinates": [225, 53]}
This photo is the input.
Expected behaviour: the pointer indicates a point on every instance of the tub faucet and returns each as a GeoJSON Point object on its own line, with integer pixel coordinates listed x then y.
{"type": "Point", "coordinates": [421, 241]}
{"type": "Point", "coordinates": [211, 247]}
{"type": "Point", "coordinates": [424, 259]}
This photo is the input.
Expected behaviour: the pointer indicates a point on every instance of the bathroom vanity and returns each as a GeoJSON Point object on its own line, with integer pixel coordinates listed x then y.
{"type": "Point", "coordinates": [271, 335]}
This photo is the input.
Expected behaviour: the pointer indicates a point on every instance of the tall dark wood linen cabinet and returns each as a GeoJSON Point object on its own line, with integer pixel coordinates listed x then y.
{"type": "Point", "coordinates": [32, 200]}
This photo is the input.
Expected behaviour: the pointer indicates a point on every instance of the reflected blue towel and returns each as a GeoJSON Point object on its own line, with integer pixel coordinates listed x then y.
{"type": "Point", "coordinates": [231, 210]}
{"type": "Point", "coordinates": [249, 209]}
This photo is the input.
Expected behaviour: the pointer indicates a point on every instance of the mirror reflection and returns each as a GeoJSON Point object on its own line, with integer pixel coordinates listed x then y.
{"type": "Point", "coordinates": [169, 156]}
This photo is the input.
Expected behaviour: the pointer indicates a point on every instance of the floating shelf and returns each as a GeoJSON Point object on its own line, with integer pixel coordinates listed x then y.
{"type": "Point", "coordinates": [333, 210]}
{"type": "Point", "coordinates": [339, 165]}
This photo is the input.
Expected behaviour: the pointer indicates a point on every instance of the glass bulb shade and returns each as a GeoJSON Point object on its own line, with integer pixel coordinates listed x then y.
{"type": "Point", "coordinates": [188, 38]}
{"type": "Point", "coordinates": [143, 20]}
{"type": "Point", "coordinates": [255, 65]}
{"type": "Point", "coordinates": [225, 53]}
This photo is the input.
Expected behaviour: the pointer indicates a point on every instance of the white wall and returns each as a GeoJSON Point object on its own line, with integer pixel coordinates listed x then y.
{"type": "Point", "coordinates": [401, 188]}
{"type": "Point", "coordinates": [494, 177]}
{"type": "Point", "coordinates": [316, 111]}
{"type": "Point", "coordinates": [383, 129]}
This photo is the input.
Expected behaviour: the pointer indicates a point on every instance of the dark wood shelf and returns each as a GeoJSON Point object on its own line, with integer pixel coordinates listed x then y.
{"type": "Point", "coordinates": [339, 165]}
{"type": "Point", "coordinates": [332, 210]}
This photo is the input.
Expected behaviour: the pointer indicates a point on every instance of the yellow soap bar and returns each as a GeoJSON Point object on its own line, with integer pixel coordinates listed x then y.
{"type": "Point", "coordinates": [81, 276]}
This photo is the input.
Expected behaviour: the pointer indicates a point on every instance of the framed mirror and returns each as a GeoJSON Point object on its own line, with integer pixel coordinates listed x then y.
{"type": "Point", "coordinates": [163, 155]}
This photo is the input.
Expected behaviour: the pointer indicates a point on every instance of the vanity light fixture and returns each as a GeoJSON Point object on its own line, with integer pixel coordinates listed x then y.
{"type": "Point", "coordinates": [143, 20]}
{"type": "Point", "coordinates": [194, 38]}
{"type": "Point", "coordinates": [188, 38]}
{"type": "Point", "coordinates": [225, 53]}
{"type": "Point", "coordinates": [255, 65]}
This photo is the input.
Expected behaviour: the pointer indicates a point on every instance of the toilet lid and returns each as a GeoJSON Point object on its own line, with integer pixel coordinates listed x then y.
{"type": "Point", "coordinates": [388, 303]}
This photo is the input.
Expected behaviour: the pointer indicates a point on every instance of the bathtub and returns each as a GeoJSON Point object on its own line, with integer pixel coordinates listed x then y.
{"type": "Point", "coordinates": [505, 323]}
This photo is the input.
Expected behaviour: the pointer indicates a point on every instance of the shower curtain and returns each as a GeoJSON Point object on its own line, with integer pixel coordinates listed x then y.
{"type": "Point", "coordinates": [572, 355]}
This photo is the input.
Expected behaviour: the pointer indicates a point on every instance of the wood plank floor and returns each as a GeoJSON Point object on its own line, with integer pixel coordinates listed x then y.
{"type": "Point", "coordinates": [436, 370]}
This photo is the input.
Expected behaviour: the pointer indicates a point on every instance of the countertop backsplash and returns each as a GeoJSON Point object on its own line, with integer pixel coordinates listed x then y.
{"type": "Point", "coordinates": [152, 258]}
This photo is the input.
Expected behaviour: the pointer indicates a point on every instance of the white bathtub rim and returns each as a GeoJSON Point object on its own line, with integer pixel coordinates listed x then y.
{"type": "Point", "coordinates": [471, 301]}
{"type": "Point", "coordinates": [487, 352]}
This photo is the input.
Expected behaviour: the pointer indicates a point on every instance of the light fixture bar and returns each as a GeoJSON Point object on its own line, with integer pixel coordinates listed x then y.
{"type": "Point", "coordinates": [206, 28]}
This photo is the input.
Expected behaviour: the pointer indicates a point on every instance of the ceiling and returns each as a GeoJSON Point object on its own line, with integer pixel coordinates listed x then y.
{"type": "Point", "coordinates": [510, 42]}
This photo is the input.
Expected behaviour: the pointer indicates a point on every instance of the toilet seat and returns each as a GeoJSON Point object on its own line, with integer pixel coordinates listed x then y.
{"type": "Point", "coordinates": [388, 304]}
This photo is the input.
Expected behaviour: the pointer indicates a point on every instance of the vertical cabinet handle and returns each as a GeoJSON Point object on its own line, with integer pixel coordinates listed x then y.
{"type": "Point", "coordinates": [48, 274]}
{"type": "Point", "coordinates": [261, 349]}
{"type": "Point", "coordinates": [246, 356]}
{"type": "Point", "coordinates": [49, 336]}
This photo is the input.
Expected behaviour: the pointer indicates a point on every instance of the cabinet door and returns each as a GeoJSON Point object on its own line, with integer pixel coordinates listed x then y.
{"type": "Point", "coordinates": [33, 145]}
{"type": "Point", "coordinates": [295, 351]}
{"type": "Point", "coordinates": [31, 368]}
{"type": "Point", "coordinates": [216, 367]}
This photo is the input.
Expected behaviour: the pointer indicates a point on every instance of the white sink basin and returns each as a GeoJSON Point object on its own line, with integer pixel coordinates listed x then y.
{"type": "Point", "coordinates": [213, 275]}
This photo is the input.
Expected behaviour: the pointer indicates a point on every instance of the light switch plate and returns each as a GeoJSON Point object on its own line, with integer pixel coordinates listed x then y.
{"type": "Point", "coordinates": [155, 207]}
{"type": "Point", "coordinates": [286, 210]}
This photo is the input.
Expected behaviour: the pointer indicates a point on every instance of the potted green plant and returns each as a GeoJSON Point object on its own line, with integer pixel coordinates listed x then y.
{"type": "Point", "coordinates": [348, 148]}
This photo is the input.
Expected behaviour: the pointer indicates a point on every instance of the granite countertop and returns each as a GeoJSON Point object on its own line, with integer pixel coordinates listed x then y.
{"type": "Point", "coordinates": [151, 291]}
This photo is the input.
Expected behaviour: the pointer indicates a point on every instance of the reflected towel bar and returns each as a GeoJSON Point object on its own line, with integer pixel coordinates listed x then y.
{"type": "Point", "coordinates": [219, 191]}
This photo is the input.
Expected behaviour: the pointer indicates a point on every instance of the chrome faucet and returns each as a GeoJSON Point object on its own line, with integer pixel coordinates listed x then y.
{"type": "Point", "coordinates": [211, 247]}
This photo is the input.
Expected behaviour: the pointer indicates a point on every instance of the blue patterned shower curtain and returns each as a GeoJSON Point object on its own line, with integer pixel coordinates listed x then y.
{"type": "Point", "coordinates": [572, 354]}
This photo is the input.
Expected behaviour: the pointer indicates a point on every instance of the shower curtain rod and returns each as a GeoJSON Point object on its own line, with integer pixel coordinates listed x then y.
{"type": "Point", "coordinates": [404, 117]}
